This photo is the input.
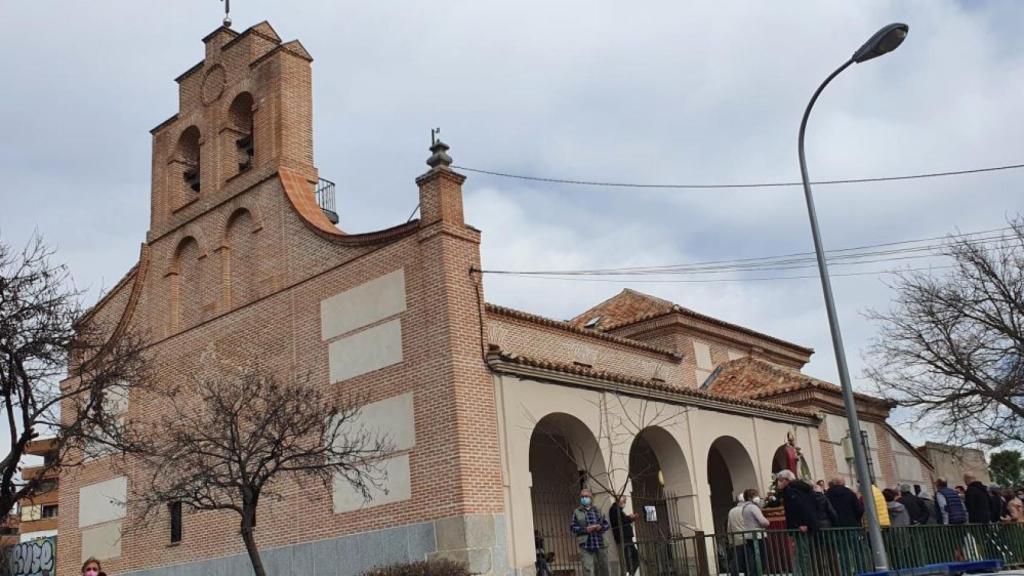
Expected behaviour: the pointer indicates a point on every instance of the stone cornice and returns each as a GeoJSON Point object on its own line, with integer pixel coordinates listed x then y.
{"type": "Point", "coordinates": [566, 327]}
{"type": "Point", "coordinates": [650, 389]}
{"type": "Point", "coordinates": [680, 317]}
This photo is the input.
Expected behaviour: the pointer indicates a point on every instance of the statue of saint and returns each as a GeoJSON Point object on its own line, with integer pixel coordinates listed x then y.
{"type": "Point", "coordinates": [790, 457]}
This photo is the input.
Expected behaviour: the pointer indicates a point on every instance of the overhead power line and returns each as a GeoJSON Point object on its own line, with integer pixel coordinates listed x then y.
{"type": "Point", "coordinates": [735, 186]}
{"type": "Point", "coordinates": [854, 256]}
{"type": "Point", "coordinates": [745, 279]}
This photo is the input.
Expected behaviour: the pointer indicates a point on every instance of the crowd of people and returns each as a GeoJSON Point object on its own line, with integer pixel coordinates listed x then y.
{"type": "Point", "coordinates": [809, 509]}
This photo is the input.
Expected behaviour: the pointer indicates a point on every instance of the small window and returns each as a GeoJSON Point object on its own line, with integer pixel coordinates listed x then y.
{"type": "Point", "coordinates": [187, 154]}
{"type": "Point", "coordinates": [49, 511]}
{"type": "Point", "coordinates": [240, 116]}
{"type": "Point", "coordinates": [175, 510]}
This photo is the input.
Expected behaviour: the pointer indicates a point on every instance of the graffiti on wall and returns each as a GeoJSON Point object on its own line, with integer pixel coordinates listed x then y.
{"type": "Point", "coordinates": [35, 558]}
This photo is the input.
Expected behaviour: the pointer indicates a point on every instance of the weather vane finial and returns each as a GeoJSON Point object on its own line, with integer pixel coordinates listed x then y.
{"type": "Point", "coordinates": [433, 135]}
{"type": "Point", "coordinates": [227, 13]}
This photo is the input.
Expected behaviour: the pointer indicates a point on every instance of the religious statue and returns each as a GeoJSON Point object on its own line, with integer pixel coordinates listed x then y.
{"type": "Point", "coordinates": [790, 457]}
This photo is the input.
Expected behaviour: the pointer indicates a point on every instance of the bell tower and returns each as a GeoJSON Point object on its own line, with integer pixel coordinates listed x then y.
{"type": "Point", "coordinates": [244, 111]}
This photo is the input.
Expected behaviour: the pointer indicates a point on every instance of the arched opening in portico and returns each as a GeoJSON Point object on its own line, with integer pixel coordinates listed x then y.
{"type": "Point", "coordinates": [564, 457]}
{"type": "Point", "coordinates": [660, 479]}
{"type": "Point", "coordinates": [730, 472]}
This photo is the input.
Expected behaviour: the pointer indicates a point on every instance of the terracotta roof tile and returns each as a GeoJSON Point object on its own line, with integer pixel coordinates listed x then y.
{"type": "Point", "coordinates": [752, 378]}
{"type": "Point", "coordinates": [631, 307]}
{"type": "Point", "coordinates": [300, 193]}
{"type": "Point", "coordinates": [496, 353]}
{"type": "Point", "coordinates": [569, 327]}
{"type": "Point", "coordinates": [624, 307]}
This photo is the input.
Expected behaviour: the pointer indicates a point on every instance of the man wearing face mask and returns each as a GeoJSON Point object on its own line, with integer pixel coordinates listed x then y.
{"type": "Point", "coordinates": [754, 524]}
{"type": "Point", "coordinates": [589, 526]}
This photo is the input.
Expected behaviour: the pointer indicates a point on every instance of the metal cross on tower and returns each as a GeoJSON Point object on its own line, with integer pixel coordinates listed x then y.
{"type": "Point", "coordinates": [227, 13]}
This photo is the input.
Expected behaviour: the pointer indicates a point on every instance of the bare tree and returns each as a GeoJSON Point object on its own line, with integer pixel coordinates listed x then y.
{"type": "Point", "coordinates": [42, 339]}
{"type": "Point", "coordinates": [608, 464]}
{"type": "Point", "coordinates": [238, 435]}
{"type": "Point", "coordinates": [952, 346]}
{"type": "Point", "coordinates": [622, 418]}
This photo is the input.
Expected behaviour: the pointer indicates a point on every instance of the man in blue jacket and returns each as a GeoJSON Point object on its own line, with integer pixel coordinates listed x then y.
{"type": "Point", "coordinates": [589, 525]}
{"type": "Point", "coordinates": [950, 507]}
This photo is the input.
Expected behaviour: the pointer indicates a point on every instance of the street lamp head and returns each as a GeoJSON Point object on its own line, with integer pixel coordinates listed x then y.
{"type": "Point", "coordinates": [885, 40]}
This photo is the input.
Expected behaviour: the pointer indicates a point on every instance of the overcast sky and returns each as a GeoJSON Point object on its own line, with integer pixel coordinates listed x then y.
{"type": "Point", "coordinates": [645, 91]}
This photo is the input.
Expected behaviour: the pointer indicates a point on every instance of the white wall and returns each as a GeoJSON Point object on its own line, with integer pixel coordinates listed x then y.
{"type": "Point", "coordinates": [101, 508]}
{"type": "Point", "coordinates": [522, 403]}
{"type": "Point", "coordinates": [392, 419]}
{"type": "Point", "coordinates": [348, 323]}
{"type": "Point", "coordinates": [363, 305]}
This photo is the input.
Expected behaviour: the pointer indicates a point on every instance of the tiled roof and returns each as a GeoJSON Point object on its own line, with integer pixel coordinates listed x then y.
{"type": "Point", "coordinates": [569, 327]}
{"type": "Point", "coordinates": [300, 193]}
{"type": "Point", "coordinates": [495, 355]}
{"type": "Point", "coordinates": [625, 307]}
{"type": "Point", "coordinates": [630, 307]}
{"type": "Point", "coordinates": [752, 378]}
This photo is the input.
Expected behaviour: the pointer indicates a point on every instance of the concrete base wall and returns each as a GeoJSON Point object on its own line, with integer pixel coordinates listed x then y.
{"type": "Point", "coordinates": [477, 540]}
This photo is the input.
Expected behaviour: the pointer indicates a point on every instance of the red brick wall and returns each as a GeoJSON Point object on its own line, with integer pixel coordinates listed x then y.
{"type": "Point", "coordinates": [289, 269]}
{"type": "Point", "coordinates": [526, 338]}
{"type": "Point", "coordinates": [828, 452]}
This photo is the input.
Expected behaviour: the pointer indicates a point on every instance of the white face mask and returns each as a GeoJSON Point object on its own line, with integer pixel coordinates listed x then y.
{"type": "Point", "coordinates": [757, 500]}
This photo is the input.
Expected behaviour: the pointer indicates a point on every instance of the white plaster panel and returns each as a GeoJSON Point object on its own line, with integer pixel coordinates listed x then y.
{"type": "Point", "coordinates": [736, 354]}
{"type": "Point", "coordinates": [396, 488]}
{"type": "Point", "coordinates": [102, 502]}
{"type": "Point", "coordinates": [876, 464]}
{"type": "Point", "coordinates": [365, 304]}
{"type": "Point", "coordinates": [101, 542]}
{"type": "Point", "coordinates": [837, 427]}
{"type": "Point", "coordinates": [842, 466]}
{"type": "Point", "coordinates": [365, 351]}
{"type": "Point", "coordinates": [908, 469]}
{"type": "Point", "coordinates": [702, 355]}
{"type": "Point", "coordinates": [392, 418]}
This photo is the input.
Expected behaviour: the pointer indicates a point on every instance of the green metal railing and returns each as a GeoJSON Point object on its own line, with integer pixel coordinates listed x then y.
{"type": "Point", "coordinates": [829, 552]}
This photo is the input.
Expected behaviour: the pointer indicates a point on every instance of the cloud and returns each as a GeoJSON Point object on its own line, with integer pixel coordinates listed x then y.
{"type": "Point", "coordinates": [650, 91]}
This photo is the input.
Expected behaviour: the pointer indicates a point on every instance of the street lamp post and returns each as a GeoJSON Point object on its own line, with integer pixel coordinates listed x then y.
{"type": "Point", "coordinates": [885, 40]}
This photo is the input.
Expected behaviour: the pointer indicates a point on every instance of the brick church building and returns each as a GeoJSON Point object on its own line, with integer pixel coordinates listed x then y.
{"type": "Point", "coordinates": [498, 416]}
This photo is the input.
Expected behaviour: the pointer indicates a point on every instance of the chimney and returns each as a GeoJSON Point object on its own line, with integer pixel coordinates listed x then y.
{"type": "Point", "coordinates": [441, 189]}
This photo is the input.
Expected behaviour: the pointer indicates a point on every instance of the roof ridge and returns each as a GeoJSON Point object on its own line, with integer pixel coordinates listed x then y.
{"type": "Point", "coordinates": [650, 384]}
{"type": "Point", "coordinates": [678, 309]}
{"type": "Point", "coordinates": [566, 326]}
{"type": "Point", "coordinates": [803, 380]}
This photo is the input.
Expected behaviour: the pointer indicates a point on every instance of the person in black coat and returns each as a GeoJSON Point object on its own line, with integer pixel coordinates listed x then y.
{"type": "Point", "coordinates": [849, 509]}
{"type": "Point", "coordinates": [824, 511]}
{"type": "Point", "coordinates": [977, 501]}
{"type": "Point", "coordinates": [998, 508]}
{"type": "Point", "coordinates": [798, 502]}
{"type": "Point", "coordinates": [622, 531]}
{"type": "Point", "coordinates": [916, 508]}
{"type": "Point", "coordinates": [801, 514]}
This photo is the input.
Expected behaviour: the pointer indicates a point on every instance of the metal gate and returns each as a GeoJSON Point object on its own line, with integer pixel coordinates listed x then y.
{"type": "Point", "coordinates": [664, 547]}
{"type": "Point", "coordinates": [555, 543]}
